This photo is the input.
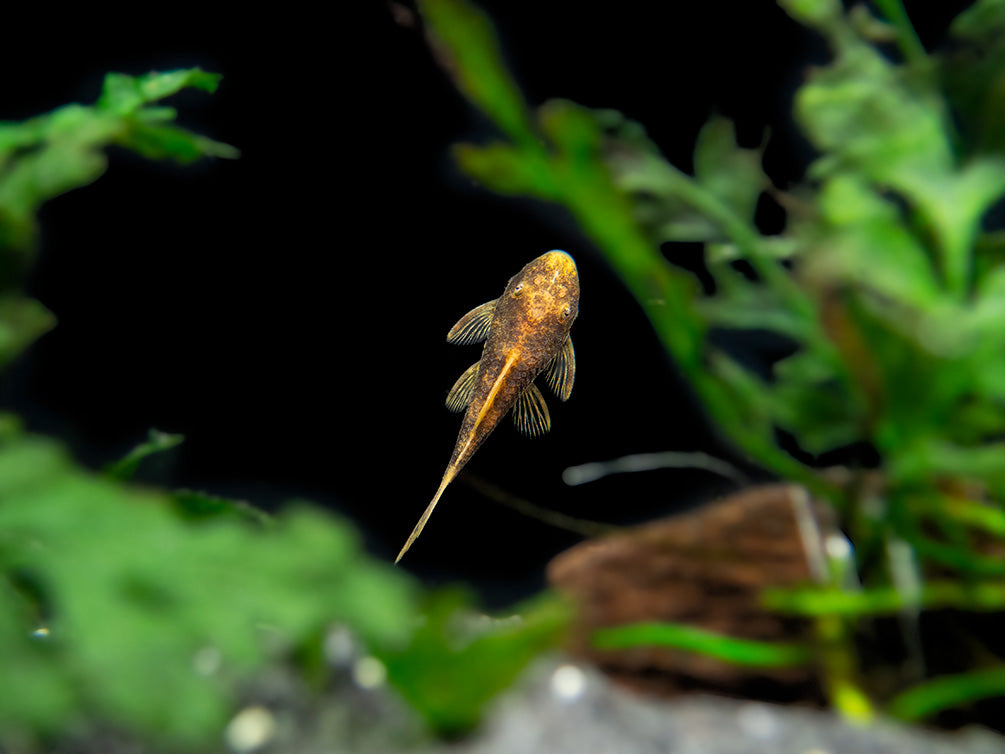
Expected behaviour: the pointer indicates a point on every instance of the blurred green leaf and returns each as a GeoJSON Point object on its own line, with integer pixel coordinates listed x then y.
{"type": "Point", "coordinates": [45, 701]}
{"type": "Point", "coordinates": [811, 402]}
{"type": "Point", "coordinates": [506, 169]}
{"type": "Point", "coordinates": [927, 699]}
{"type": "Point", "coordinates": [466, 45]}
{"type": "Point", "coordinates": [867, 115]}
{"type": "Point", "coordinates": [48, 155]}
{"type": "Point", "coordinates": [817, 13]}
{"type": "Point", "coordinates": [732, 174]}
{"type": "Point", "coordinates": [157, 442]}
{"type": "Point", "coordinates": [163, 142]}
{"type": "Point", "coordinates": [691, 639]}
{"type": "Point", "coordinates": [122, 94]}
{"type": "Point", "coordinates": [862, 241]}
{"type": "Point", "coordinates": [458, 659]}
{"type": "Point", "coordinates": [22, 321]}
{"type": "Point", "coordinates": [813, 601]}
{"type": "Point", "coordinates": [200, 506]}
{"type": "Point", "coordinates": [973, 74]}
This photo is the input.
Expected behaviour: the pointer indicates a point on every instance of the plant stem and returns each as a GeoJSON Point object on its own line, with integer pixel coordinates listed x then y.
{"type": "Point", "coordinates": [840, 669]}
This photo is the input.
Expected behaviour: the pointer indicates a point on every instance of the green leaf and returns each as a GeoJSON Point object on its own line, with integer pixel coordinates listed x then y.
{"type": "Point", "coordinates": [171, 142]}
{"type": "Point", "coordinates": [464, 40]}
{"type": "Point", "coordinates": [457, 660]}
{"type": "Point", "coordinates": [819, 13]}
{"type": "Point", "coordinates": [122, 94]}
{"type": "Point", "coordinates": [746, 652]}
{"type": "Point", "coordinates": [733, 174]}
{"type": "Point", "coordinates": [22, 321]}
{"type": "Point", "coordinates": [201, 506]}
{"type": "Point", "coordinates": [157, 442]}
{"type": "Point", "coordinates": [506, 169]}
{"type": "Point", "coordinates": [972, 595]}
{"type": "Point", "coordinates": [672, 206]}
{"type": "Point", "coordinates": [934, 696]}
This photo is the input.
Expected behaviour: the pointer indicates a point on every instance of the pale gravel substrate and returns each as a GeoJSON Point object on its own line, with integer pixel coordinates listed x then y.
{"type": "Point", "coordinates": [579, 712]}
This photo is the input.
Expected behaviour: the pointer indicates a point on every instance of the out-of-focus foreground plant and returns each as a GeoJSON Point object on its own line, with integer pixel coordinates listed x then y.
{"type": "Point", "coordinates": [141, 612]}
{"type": "Point", "coordinates": [887, 281]}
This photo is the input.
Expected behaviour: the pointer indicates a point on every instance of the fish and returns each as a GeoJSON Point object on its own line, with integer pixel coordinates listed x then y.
{"type": "Point", "coordinates": [526, 334]}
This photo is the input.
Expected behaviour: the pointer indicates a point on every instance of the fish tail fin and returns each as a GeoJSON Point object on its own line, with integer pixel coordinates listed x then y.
{"type": "Point", "coordinates": [447, 478]}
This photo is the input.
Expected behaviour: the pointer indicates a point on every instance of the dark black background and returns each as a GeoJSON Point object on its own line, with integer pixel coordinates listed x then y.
{"type": "Point", "coordinates": [286, 312]}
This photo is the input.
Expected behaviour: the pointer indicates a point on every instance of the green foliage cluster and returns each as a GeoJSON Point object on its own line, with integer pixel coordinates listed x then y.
{"type": "Point", "coordinates": [129, 594]}
{"type": "Point", "coordinates": [457, 661]}
{"type": "Point", "coordinates": [140, 611]}
{"type": "Point", "coordinates": [885, 281]}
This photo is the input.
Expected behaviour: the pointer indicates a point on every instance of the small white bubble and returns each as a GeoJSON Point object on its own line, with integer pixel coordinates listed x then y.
{"type": "Point", "coordinates": [369, 672]}
{"type": "Point", "coordinates": [568, 683]}
{"type": "Point", "coordinates": [758, 721]}
{"type": "Point", "coordinates": [42, 632]}
{"type": "Point", "coordinates": [207, 661]}
{"type": "Point", "coordinates": [838, 546]}
{"type": "Point", "coordinates": [250, 729]}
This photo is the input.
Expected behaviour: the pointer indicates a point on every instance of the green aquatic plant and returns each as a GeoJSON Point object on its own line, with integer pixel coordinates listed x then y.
{"type": "Point", "coordinates": [121, 590]}
{"type": "Point", "coordinates": [888, 282]}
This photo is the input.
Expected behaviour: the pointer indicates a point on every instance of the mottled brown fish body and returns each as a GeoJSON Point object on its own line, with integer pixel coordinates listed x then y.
{"type": "Point", "coordinates": [529, 328]}
{"type": "Point", "coordinates": [526, 332]}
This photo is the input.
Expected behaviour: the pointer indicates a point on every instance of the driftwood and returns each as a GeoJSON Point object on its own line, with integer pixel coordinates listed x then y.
{"type": "Point", "coordinates": [704, 568]}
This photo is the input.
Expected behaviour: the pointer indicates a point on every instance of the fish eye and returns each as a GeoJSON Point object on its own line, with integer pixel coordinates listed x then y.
{"type": "Point", "coordinates": [566, 312]}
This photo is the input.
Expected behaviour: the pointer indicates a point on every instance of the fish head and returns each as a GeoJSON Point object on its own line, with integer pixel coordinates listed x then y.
{"type": "Point", "coordinates": [544, 298]}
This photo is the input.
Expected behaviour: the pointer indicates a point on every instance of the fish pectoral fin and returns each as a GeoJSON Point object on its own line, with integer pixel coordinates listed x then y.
{"type": "Point", "coordinates": [473, 327]}
{"type": "Point", "coordinates": [561, 372]}
{"type": "Point", "coordinates": [530, 413]}
{"type": "Point", "coordinates": [463, 391]}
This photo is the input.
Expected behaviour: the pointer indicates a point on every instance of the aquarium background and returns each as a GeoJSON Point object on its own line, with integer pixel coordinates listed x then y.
{"type": "Point", "coordinates": [286, 312]}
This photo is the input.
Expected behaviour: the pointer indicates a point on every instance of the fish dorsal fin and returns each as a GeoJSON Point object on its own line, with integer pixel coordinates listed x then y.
{"type": "Point", "coordinates": [561, 372]}
{"type": "Point", "coordinates": [463, 391]}
{"type": "Point", "coordinates": [473, 327]}
{"type": "Point", "coordinates": [530, 413]}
